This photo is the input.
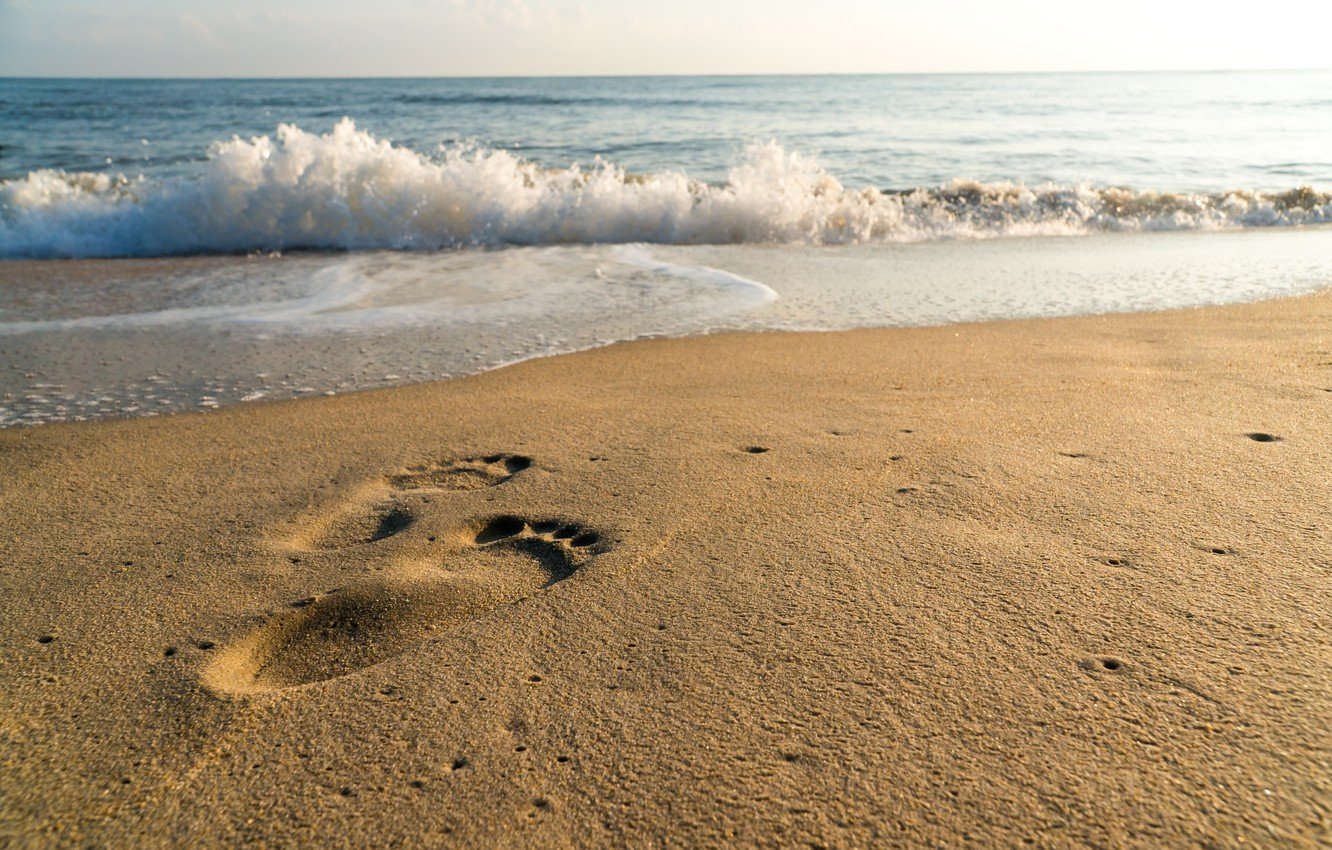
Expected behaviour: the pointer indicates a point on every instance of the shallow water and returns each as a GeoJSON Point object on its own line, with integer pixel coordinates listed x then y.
{"type": "Point", "coordinates": [99, 338]}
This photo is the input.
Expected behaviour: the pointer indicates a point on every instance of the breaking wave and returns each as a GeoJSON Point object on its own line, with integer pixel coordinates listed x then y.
{"type": "Point", "coordinates": [349, 190]}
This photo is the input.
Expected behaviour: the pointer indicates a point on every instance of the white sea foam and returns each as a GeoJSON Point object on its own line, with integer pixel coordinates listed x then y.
{"type": "Point", "coordinates": [349, 190]}
{"type": "Point", "coordinates": [750, 293]}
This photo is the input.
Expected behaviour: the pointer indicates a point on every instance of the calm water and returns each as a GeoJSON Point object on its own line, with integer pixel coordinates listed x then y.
{"type": "Point", "coordinates": [318, 236]}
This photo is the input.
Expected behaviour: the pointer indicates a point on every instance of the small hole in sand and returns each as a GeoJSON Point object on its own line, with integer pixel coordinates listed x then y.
{"type": "Point", "coordinates": [459, 764]}
{"type": "Point", "coordinates": [347, 791]}
{"type": "Point", "coordinates": [534, 678]}
{"type": "Point", "coordinates": [1219, 551]}
{"type": "Point", "coordinates": [520, 749]}
{"type": "Point", "coordinates": [1111, 663]}
{"type": "Point", "coordinates": [1260, 437]}
{"type": "Point", "coordinates": [418, 783]}
{"type": "Point", "coordinates": [541, 803]}
{"type": "Point", "coordinates": [562, 759]}
{"type": "Point", "coordinates": [46, 638]}
{"type": "Point", "coordinates": [205, 644]}
{"type": "Point", "coordinates": [756, 450]}
{"type": "Point", "coordinates": [169, 651]}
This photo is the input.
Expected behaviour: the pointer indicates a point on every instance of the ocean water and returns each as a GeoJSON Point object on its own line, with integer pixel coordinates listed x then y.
{"type": "Point", "coordinates": [147, 168]}
{"type": "Point", "coordinates": [235, 240]}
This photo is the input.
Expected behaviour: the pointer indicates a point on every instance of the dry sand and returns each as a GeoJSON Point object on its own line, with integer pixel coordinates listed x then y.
{"type": "Point", "coordinates": [1024, 583]}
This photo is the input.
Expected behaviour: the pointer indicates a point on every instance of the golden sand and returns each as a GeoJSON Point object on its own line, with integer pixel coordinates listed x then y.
{"type": "Point", "coordinates": [1039, 583]}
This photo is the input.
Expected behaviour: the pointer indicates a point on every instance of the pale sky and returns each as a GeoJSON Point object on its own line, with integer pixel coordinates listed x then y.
{"type": "Point", "coordinates": [553, 37]}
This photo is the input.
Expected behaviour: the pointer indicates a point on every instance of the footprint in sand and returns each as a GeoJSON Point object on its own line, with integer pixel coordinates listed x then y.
{"type": "Point", "coordinates": [471, 473]}
{"type": "Point", "coordinates": [354, 524]}
{"type": "Point", "coordinates": [501, 561]}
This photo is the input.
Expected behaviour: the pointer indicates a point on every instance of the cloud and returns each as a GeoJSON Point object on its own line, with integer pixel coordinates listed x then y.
{"type": "Point", "coordinates": [104, 31]}
{"type": "Point", "coordinates": [521, 15]}
{"type": "Point", "coordinates": [196, 27]}
{"type": "Point", "coordinates": [268, 17]}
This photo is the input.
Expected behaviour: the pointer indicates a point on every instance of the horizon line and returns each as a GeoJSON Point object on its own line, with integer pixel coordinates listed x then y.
{"type": "Point", "coordinates": [1088, 72]}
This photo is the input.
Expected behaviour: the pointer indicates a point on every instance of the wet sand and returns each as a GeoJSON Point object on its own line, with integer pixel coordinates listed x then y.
{"type": "Point", "coordinates": [1059, 582]}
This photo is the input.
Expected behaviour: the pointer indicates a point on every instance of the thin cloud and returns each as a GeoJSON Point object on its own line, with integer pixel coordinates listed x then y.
{"type": "Point", "coordinates": [196, 27]}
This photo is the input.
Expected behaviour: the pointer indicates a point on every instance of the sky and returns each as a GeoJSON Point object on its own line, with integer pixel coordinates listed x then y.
{"type": "Point", "coordinates": [249, 38]}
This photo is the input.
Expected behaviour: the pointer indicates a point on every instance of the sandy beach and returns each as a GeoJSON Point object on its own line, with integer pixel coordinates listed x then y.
{"type": "Point", "coordinates": [1057, 583]}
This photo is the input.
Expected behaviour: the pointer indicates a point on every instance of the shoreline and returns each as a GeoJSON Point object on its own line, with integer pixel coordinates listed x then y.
{"type": "Point", "coordinates": [94, 339]}
{"type": "Point", "coordinates": [1023, 580]}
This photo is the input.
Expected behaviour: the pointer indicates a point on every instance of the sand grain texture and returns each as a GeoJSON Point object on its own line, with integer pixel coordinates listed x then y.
{"type": "Point", "coordinates": [996, 584]}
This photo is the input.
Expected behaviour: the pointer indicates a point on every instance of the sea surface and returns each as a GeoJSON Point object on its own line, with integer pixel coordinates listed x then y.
{"type": "Point", "coordinates": [171, 245]}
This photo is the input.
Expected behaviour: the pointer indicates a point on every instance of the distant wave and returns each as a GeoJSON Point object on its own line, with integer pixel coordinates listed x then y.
{"type": "Point", "coordinates": [530, 99]}
{"type": "Point", "coordinates": [515, 99]}
{"type": "Point", "coordinates": [348, 190]}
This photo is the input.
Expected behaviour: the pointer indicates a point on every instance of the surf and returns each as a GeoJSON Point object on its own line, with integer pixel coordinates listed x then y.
{"type": "Point", "coordinates": [350, 190]}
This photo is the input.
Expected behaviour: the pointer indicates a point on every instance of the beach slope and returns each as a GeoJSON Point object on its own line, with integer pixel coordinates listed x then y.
{"type": "Point", "coordinates": [1060, 582]}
